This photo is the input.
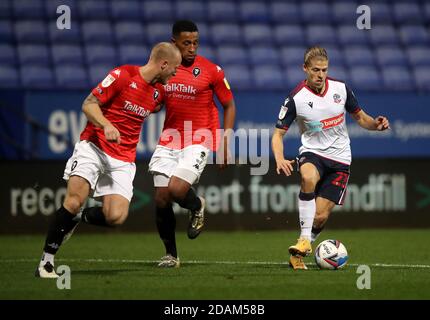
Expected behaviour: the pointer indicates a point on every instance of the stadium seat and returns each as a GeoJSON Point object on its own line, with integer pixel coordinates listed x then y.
{"type": "Point", "coordinates": [35, 77]}
{"type": "Point", "coordinates": [292, 56]}
{"type": "Point", "coordinates": [72, 35]}
{"type": "Point", "coordinates": [390, 56]}
{"type": "Point", "coordinates": [239, 77]}
{"type": "Point", "coordinates": [321, 35]}
{"type": "Point", "coordinates": [97, 32]}
{"type": "Point", "coordinates": [9, 76]}
{"type": "Point", "coordinates": [226, 33]}
{"type": "Point", "coordinates": [100, 54]}
{"type": "Point", "coordinates": [97, 72]}
{"type": "Point", "coordinates": [237, 55]}
{"type": "Point", "coordinates": [208, 52]}
{"type": "Point", "coordinates": [125, 10]}
{"type": "Point", "coordinates": [253, 12]}
{"type": "Point", "coordinates": [5, 9]}
{"type": "Point", "coordinates": [407, 12]}
{"type": "Point", "coordinates": [28, 9]}
{"type": "Point", "coordinates": [136, 54]}
{"type": "Point", "coordinates": [426, 12]}
{"type": "Point", "coordinates": [204, 33]}
{"type": "Point", "coordinates": [158, 31]}
{"type": "Point", "coordinates": [52, 5]}
{"type": "Point", "coordinates": [285, 12]}
{"type": "Point", "coordinates": [350, 35]}
{"type": "Point", "coordinates": [381, 13]}
{"type": "Point", "coordinates": [261, 55]}
{"type": "Point", "coordinates": [285, 34]}
{"type": "Point", "coordinates": [418, 56]}
{"type": "Point", "coordinates": [157, 11]}
{"type": "Point", "coordinates": [365, 78]}
{"type": "Point", "coordinates": [316, 12]}
{"type": "Point", "coordinates": [255, 34]}
{"type": "Point", "coordinates": [359, 56]}
{"type": "Point", "coordinates": [34, 54]}
{"type": "Point", "coordinates": [7, 54]}
{"type": "Point", "coordinates": [193, 10]}
{"type": "Point", "coordinates": [129, 32]}
{"type": "Point", "coordinates": [338, 73]}
{"type": "Point", "coordinates": [344, 12]}
{"type": "Point", "coordinates": [293, 76]}
{"type": "Point", "coordinates": [222, 11]}
{"type": "Point", "coordinates": [335, 56]}
{"type": "Point", "coordinates": [90, 9]}
{"type": "Point", "coordinates": [422, 78]}
{"type": "Point", "coordinates": [383, 35]}
{"type": "Point", "coordinates": [71, 77]}
{"type": "Point", "coordinates": [67, 54]}
{"type": "Point", "coordinates": [268, 77]}
{"type": "Point", "coordinates": [414, 35]}
{"type": "Point", "coordinates": [6, 31]}
{"type": "Point", "coordinates": [31, 31]}
{"type": "Point", "coordinates": [397, 78]}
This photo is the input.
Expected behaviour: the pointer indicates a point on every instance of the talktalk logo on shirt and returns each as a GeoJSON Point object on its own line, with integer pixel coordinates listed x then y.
{"type": "Point", "coordinates": [179, 87]}
{"type": "Point", "coordinates": [317, 126]}
{"type": "Point", "coordinates": [140, 111]}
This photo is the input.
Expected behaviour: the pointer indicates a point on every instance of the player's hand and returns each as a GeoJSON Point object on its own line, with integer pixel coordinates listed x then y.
{"type": "Point", "coordinates": [112, 134]}
{"type": "Point", "coordinates": [285, 166]}
{"type": "Point", "coordinates": [382, 123]}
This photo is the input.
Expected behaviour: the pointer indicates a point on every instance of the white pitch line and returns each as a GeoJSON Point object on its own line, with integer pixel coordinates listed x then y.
{"type": "Point", "coordinates": [378, 265]}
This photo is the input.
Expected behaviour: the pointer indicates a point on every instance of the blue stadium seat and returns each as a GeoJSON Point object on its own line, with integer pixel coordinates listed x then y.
{"type": "Point", "coordinates": [285, 12]}
{"type": "Point", "coordinates": [7, 54]}
{"type": "Point", "coordinates": [418, 56]}
{"type": "Point", "coordinates": [407, 12]}
{"type": "Point", "coordinates": [97, 32]}
{"type": "Point", "coordinates": [31, 31]}
{"type": "Point", "coordinates": [67, 54]}
{"type": "Point", "coordinates": [255, 34]}
{"type": "Point", "coordinates": [261, 55]}
{"type": "Point", "coordinates": [316, 12]}
{"type": "Point", "coordinates": [33, 54]}
{"type": "Point", "coordinates": [414, 35]}
{"type": "Point", "coordinates": [204, 33]}
{"type": "Point", "coordinates": [390, 56]}
{"type": "Point", "coordinates": [226, 33]}
{"type": "Point", "coordinates": [71, 77]}
{"type": "Point", "coordinates": [6, 31]}
{"type": "Point", "coordinates": [321, 35]}
{"type": "Point", "coordinates": [100, 54]}
{"type": "Point", "coordinates": [293, 76]}
{"type": "Point", "coordinates": [253, 12]}
{"type": "Point", "coordinates": [338, 73]}
{"type": "Point", "coordinates": [28, 9]}
{"type": "Point", "coordinates": [381, 13]}
{"type": "Point", "coordinates": [426, 12]}
{"type": "Point", "coordinates": [222, 11]}
{"type": "Point", "coordinates": [9, 76]}
{"type": "Point", "coordinates": [158, 11]}
{"type": "Point", "coordinates": [5, 9]}
{"type": "Point", "coordinates": [289, 35]}
{"type": "Point", "coordinates": [422, 78]}
{"type": "Point", "coordinates": [359, 56]}
{"type": "Point", "coordinates": [72, 35]}
{"type": "Point", "coordinates": [125, 10]}
{"type": "Point", "coordinates": [208, 52]}
{"type": "Point", "coordinates": [129, 32]}
{"type": "Point", "coordinates": [383, 35]}
{"type": "Point", "coordinates": [192, 10]}
{"type": "Point", "coordinates": [93, 9]}
{"type": "Point", "coordinates": [136, 54]}
{"type": "Point", "coordinates": [52, 5]}
{"type": "Point", "coordinates": [335, 56]}
{"type": "Point", "coordinates": [397, 78]}
{"type": "Point", "coordinates": [365, 78]}
{"type": "Point", "coordinates": [350, 35]}
{"type": "Point", "coordinates": [292, 56]}
{"type": "Point", "coordinates": [35, 77]}
{"type": "Point", "coordinates": [97, 72]}
{"type": "Point", "coordinates": [344, 12]}
{"type": "Point", "coordinates": [268, 77]}
{"type": "Point", "coordinates": [228, 55]}
{"type": "Point", "coordinates": [239, 77]}
{"type": "Point", "coordinates": [157, 32]}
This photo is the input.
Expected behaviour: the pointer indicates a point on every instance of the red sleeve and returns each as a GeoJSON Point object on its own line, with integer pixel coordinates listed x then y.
{"type": "Point", "coordinates": [112, 85]}
{"type": "Point", "coordinates": [221, 86]}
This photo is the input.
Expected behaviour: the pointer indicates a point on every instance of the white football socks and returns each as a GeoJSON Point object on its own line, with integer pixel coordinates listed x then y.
{"type": "Point", "coordinates": [307, 208]}
{"type": "Point", "coordinates": [47, 257]}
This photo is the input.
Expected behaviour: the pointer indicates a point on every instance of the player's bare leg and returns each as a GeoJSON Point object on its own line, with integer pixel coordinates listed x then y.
{"type": "Point", "coordinates": [323, 209]}
{"type": "Point", "coordinates": [63, 222]}
{"type": "Point", "coordinates": [184, 195]}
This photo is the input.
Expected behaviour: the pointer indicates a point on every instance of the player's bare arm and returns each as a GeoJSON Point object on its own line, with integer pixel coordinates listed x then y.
{"type": "Point", "coordinates": [365, 121]}
{"type": "Point", "coordinates": [91, 108]}
{"type": "Point", "coordinates": [282, 164]}
{"type": "Point", "coordinates": [229, 118]}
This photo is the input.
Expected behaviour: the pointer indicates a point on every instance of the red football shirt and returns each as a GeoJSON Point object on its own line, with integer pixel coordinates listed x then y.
{"type": "Point", "coordinates": [190, 106]}
{"type": "Point", "coordinates": [127, 99]}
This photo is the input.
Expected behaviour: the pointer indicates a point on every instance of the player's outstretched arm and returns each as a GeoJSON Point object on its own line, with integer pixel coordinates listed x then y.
{"type": "Point", "coordinates": [91, 108]}
{"type": "Point", "coordinates": [365, 121]}
{"type": "Point", "coordinates": [286, 166]}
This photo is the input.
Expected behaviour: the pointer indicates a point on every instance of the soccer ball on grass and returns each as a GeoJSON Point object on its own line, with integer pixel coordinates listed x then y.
{"type": "Point", "coordinates": [331, 254]}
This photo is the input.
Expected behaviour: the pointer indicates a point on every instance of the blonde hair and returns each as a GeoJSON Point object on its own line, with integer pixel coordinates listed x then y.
{"type": "Point", "coordinates": [315, 52]}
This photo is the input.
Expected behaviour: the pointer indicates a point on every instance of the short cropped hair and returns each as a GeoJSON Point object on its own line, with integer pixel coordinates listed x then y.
{"type": "Point", "coordinates": [315, 52]}
{"type": "Point", "coordinates": [183, 26]}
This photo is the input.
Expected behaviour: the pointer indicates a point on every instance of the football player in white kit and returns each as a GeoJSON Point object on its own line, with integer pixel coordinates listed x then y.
{"type": "Point", "coordinates": [319, 104]}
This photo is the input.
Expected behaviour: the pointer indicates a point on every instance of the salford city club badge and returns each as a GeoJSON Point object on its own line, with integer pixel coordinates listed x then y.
{"type": "Point", "coordinates": [156, 94]}
{"type": "Point", "coordinates": [196, 72]}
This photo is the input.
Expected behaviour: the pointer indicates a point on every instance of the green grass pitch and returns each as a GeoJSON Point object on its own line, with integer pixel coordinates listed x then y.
{"type": "Point", "coordinates": [227, 265]}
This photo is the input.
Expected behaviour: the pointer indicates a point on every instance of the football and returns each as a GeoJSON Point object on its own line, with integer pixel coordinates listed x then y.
{"type": "Point", "coordinates": [331, 254]}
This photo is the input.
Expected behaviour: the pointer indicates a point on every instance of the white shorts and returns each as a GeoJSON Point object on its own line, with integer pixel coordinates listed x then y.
{"type": "Point", "coordinates": [187, 164]}
{"type": "Point", "coordinates": [106, 175]}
